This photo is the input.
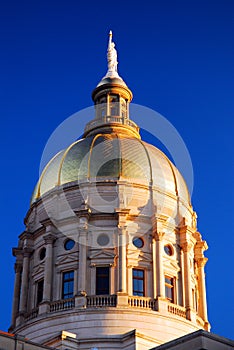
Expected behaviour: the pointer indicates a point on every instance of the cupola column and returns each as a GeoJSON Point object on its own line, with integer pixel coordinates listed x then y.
{"type": "Point", "coordinates": [48, 276]}
{"type": "Point", "coordinates": [25, 278]}
{"type": "Point", "coordinates": [159, 265]}
{"type": "Point", "coordinates": [16, 297]}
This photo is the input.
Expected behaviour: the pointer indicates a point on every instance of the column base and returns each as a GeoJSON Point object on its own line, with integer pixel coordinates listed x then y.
{"type": "Point", "coordinates": [191, 315]}
{"type": "Point", "coordinates": [80, 300]}
{"type": "Point", "coordinates": [161, 305]}
{"type": "Point", "coordinates": [19, 319]}
{"type": "Point", "coordinates": [44, 307]}
{"type": "Point", "coordinates": [122, 299]}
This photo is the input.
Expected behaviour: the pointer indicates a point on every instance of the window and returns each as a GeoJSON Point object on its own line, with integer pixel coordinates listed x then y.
{"type": "Point", "coordinates": [138, 282]}
{"type": "Point", "coordinates": [168, 250]}
{"type": "Point", "coordinates": [169, 289]}
{"type": "Point", "coordinates": [138, 242]}
{"type": "Point", "coordinates": [69, 244]}
{"type": "Point", "coordinates": [102, 280]}
{"type": "Point", "coordinates": [68, 284]}
{"type": "Point", "coordinates": [40, 288]}
{"type": "Point", "coordinates": [114, 105]}
{"type": "Point", "coordinates": [42, 254]}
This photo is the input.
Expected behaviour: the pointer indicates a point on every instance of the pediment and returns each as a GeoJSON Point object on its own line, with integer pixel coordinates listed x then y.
{"type": "Point", "coordinates": [171, 264]}
{"type": "Point", "coordinates": [38, 269]}
{"type": "Point", "coordinates": [103, 254]}
{"type": "Point", "coordinates": [67, 259]}
{"type": "Point", "coordinates": [140, 256]}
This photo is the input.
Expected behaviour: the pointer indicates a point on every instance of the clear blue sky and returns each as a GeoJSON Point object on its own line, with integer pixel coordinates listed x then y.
{"type": "Point", "coordinates": [176, 56]}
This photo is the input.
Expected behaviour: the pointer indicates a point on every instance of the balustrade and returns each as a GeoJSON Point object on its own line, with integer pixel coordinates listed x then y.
{"type": "Point", "coordinates": [177, 310]}
{"type": "Point", "coordinates": [101, 300]}
{"type": "Point", "coordinates": [141, 302]}
{"type": "Point", "coordinates": [62, 304]}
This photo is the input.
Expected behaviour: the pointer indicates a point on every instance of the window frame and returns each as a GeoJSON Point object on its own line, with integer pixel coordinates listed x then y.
{"type": "Point", "coordinates": [107, 276]}
{"type": "Point", "coordinates": [40, 289]}
{"type": "Point", "coordinates": [69, 280]}
{"type": "Point", "coordinates": [172, 287]}
{"type": "Point", "coordinates": [140, 293]}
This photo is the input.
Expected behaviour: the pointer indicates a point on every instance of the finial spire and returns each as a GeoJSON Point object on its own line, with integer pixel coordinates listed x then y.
{"type": "Point", "coordinates": [112, 59]}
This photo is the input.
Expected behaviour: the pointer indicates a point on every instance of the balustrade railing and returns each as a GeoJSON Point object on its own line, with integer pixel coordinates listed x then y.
{"type": "Point", "coordinates": [110, 119]}
{"type": "Point", "coordinates": [32, 314]}
{"type": "Point", "coordinates": [101, 300]}
{"type": "Point", "coordinates": [141, 302]}
{"type": "Point", "coordinates": [176, 310]}
{"type": "Point", "coordinates": [62, 304]}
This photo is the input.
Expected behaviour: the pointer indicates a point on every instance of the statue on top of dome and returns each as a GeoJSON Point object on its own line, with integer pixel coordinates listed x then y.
{"type": "Point", "coordinates": [112, 58]}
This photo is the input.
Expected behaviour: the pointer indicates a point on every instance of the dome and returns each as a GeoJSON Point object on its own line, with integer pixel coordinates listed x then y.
{"type": "Point", "coordinates": [112, 157]}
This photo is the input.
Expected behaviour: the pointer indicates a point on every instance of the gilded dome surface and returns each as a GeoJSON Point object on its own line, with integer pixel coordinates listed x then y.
{"type": "Point", "coordinates": [112, 157]}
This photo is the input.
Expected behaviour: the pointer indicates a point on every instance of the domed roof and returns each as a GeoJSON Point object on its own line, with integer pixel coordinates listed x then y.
{"type": "Point", "coordinates": [112, 157]}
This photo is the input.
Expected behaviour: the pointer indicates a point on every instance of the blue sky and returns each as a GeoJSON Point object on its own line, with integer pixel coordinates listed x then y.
{"type": "Point", "coordinates": [176, 56]}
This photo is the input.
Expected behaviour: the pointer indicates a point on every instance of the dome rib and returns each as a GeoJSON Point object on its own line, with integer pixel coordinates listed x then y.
{"type": "Point", "coordinates": [63, 158]}
{"type": "Point", "coordinates": [44, 171]}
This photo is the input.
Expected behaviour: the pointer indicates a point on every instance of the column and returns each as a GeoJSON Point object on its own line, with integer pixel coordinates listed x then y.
{"type": "Point", "coordinates": [202, 306]}
{"type": "Point", "coordinates": [159, 266]}
{"type": "Point", "coordinates": [16, 297]}
{"type": "Point", "coordinates": [83, 234]}
{"type": "Point", "coordinates": [24, 283]}
{"type": "Point", "coordinates": [48, 272]}
{"type": "Point", "coordinates": [122, 259]}
{"type": "Point", "coordinates": [187, 279]}
{"type": "Point", "coordinates": [154, 268]}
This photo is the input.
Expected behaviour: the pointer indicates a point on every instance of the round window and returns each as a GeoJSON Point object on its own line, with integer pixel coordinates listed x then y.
{"type": "Point", "coordinates": [42, 253]}
{"type": "Point", "coordinates": [69, 244]}
{"type": "Point", "coordinates": [168, 250]}
{"type": "Point", "coordinates": [138, 242]}
{"type": "Point", "coordinates": [103, 240]}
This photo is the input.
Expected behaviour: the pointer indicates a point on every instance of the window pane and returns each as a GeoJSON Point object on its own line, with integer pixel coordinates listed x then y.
{"type": "Point", "coordinates": [40, 287]}
{"type": "Point", "coordinates": [138, 282]}
{"type": "Point", "coordinates": [68, 284]}
{"type": "Point", "coordinates": [102, 280]}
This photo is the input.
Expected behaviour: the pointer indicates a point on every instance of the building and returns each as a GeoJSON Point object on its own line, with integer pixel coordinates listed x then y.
{"type": "Point", "coordinates": [110, 257]}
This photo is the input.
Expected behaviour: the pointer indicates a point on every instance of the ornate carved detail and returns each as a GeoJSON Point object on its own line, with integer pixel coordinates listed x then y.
{"type": "Point", "coordinates": [159, 235]}
{"type": "Point", "coordinates": [186, 246]}
{"type": "Point", "coordinates": [49, 238]}
{"type": "Point", "coordinates": [201, 262]}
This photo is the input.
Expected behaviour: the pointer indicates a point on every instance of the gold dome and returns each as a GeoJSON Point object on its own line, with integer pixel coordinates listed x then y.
{"type": "Point", "coordinates": [112, 157]}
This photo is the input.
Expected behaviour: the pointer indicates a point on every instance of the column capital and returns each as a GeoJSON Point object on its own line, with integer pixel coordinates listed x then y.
{"type": "Point", "coordinates": [27, 252]}
{"type": "Point", "coordinates": [201, 262]}
{"type": "Point", "coordinates": [200, 247]}
{"type": "Point", "coordinates": [17, 252]}
{"type": "Point", "coordinates": [159, 235]}
{"type": "Point", "coordinates": [186, 246]}
{"type": "Point", "coordinates": [49, 238]}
